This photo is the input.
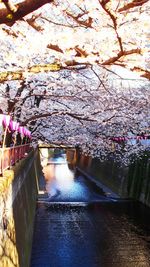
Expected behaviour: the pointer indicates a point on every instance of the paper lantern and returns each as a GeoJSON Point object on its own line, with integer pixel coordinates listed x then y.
{"type": "Point", "coordinates": [21, 130]}
{"type": "Point", "coordinates": [29, 134]}
{"type": "Point", "coordinates": [6, 120]}
{"type": "Point", "coordinates": [13, 126]}
{"type": "Point", "coordinates": [24, 131]}
{"type": "Point", "coordinates": [17, 126]}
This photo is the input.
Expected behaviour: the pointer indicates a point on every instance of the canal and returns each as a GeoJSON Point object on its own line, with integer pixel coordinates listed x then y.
{"type": "Point", "coordinates": [77, 224]}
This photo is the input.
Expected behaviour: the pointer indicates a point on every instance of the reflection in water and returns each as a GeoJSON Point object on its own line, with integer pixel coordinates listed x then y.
{"type": "Point", "coordinates": [100, 234]}
{"type": "Point", "coordinates": [58, 177]}
{"type": "Point", "coordinates": [64, 177]}
{"type": "Point", "coordinates": [62, 185]}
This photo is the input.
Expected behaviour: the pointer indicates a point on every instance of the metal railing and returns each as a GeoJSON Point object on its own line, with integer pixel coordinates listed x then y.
{"type": "Point", "coordinates": [10, 155]}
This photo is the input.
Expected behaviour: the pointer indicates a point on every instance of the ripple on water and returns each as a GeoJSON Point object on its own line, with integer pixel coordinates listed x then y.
{"type": "Point", "coordinates": [98, 235]}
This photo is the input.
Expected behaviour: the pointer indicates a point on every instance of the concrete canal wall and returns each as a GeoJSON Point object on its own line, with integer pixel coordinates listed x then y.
{"type": "Point", "coordinates": [18, 193]}
{"type": "Point", "coordinates": [127, 182]}
{"type": "Point", "coordinates": [138, 179]}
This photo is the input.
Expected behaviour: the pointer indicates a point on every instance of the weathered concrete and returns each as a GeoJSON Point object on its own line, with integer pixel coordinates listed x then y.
{"type": "Point", "coordinates": [138, 179]}
{"type": "Point", "coordinates": [127, 182]}
{"type": "Point", "coordinates": [18, 192]}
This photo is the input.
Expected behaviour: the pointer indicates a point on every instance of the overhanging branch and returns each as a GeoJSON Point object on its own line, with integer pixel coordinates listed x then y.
{"type": "Point", "coordinates": [133, 4]}
{"type": "Point", "coordinates": [79, 117]}
{"type": "Point", "coordinates": [22, 74]}
{"type": "Point", "coordinates": [23, 8]}
{"type": "Point", "coordinates": [112, 60]}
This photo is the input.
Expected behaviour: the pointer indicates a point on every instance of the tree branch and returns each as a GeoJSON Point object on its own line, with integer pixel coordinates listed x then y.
{"type": "Point", "coordinates": [60, 24]}
{"type": "Point", "coordinates": [85, 23]}
{"type": "Point", "coordinates": [10, 6]}
{"type": "Point", "coordinates": [133, 4]}
{"type": "Point", "coordinates": [23, 9]}
{"type": "Point", "coordinates": [114, 21]}
{"type": "Point", "coordinates": [59, 113]}
{"type": "Point", "coordinates": [55, 47]}
{"type": "Point", "coordinates": [33, 24]}
{"type": "Point", "coordinates": [112, 60]}
{"type": "Point", "coordinates": [143, 73]}
{"type": "Point", "coordinates": [21, 74]}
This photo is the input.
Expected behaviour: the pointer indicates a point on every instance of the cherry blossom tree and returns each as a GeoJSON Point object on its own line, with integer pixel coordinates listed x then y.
{"type": "Point", "coordinates": [77, 108]}
{"type": "Point", "coordinates": [64, 71]}
{"type": "Point", "coordinates": [70, 33]}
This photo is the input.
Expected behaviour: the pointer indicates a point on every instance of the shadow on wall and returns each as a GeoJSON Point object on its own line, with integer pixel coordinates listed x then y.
{"type": "Point", "coordinates": [138, 185]}
{"type": "Point", "coordinates": [109, 173]}
{"type": "Point", "coordinates": [129, 182]}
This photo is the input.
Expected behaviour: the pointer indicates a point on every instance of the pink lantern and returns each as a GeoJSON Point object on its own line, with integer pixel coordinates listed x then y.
{"type": "Point", "coordinates": [21, 130]}
{"type": "Point", "coordinates": [24, 131]}
{"type": "Point", "coordinates": [6, 120]}
{"type": "Point", "coordinates": [29, 134]}
{"type": "Point", "coordinates": [17, 126]}
{"type": "Point", "coordinates": [14, 126]}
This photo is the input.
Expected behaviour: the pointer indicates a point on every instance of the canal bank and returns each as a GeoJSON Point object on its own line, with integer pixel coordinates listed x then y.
{"type": "Point", "coordinates": [17, 204]}
{"type": "Point", "coordinates": [19, 188]}
{"type": "Point", "coordinates": [131, 181]}
{"type": "Point", "coordinates": [82, 226]}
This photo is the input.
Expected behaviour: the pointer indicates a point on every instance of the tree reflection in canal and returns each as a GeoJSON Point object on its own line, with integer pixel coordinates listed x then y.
{"type": "Point", "coordinates": [62, 184]}
{"type": "Point", "coordinates": [59, 178]}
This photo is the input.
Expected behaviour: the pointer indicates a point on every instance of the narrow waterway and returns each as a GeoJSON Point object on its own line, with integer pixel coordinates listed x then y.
{"type": "Point", "coordinates": [76, 225]}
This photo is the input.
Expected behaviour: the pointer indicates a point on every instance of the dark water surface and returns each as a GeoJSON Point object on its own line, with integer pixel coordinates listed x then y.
{"type": "Point", "coordinates": [101, 233]}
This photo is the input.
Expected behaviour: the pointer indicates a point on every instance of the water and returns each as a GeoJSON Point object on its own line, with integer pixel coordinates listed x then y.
{"type": "Point", "coordinates": [62, 185]}
{"type": "Point", "coordinates": [102, 233]}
